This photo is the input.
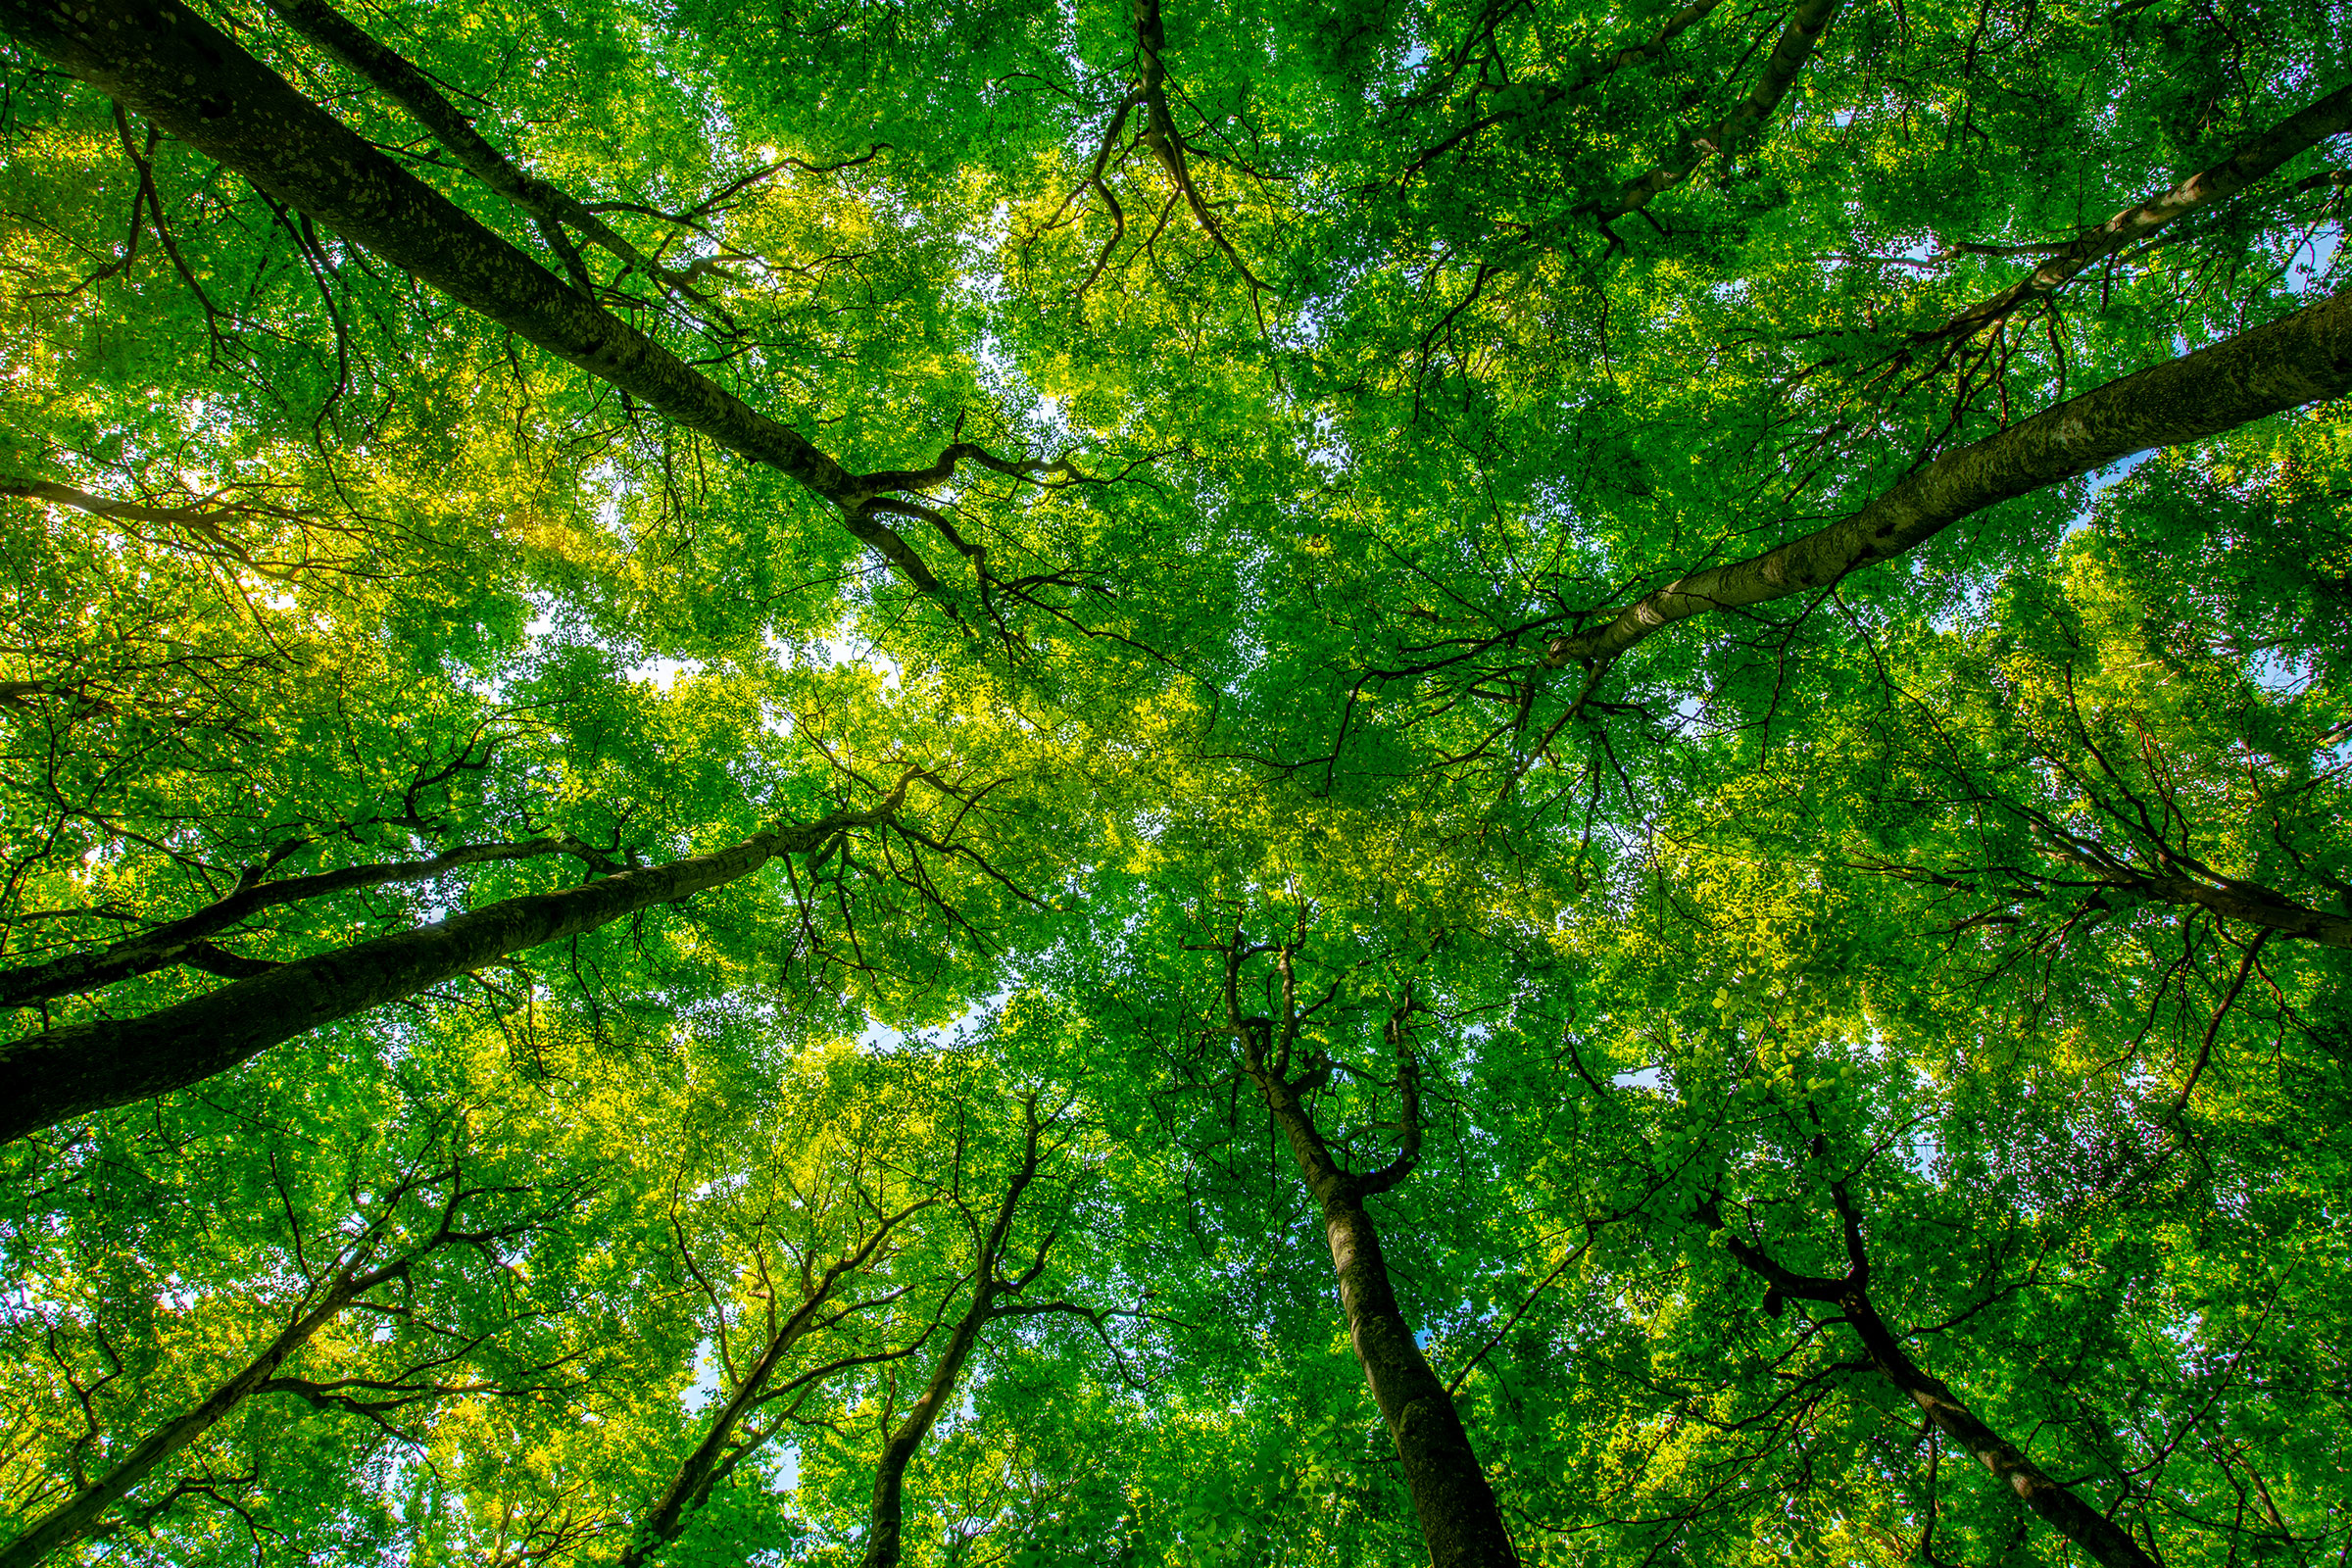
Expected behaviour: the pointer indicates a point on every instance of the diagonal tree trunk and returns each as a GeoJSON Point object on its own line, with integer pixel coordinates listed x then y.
{"type": "Point", "coordinates": [82, 1068]}
{"type": "Point", "coordinates": [2296, 359]}
{"type": "Point", "coordinates": [396, 78]}
{"type": "Point", "coordinates": [717, 1455]}
{"type": "Point", "coordinates": [186, 940]}
{"type": "Point", "coordinates": [2332, 116]}
{"type": "Point", "coordinates": [885, 1531]}
{"type": "Point", "coordinates": [886, 1523]}
{"type": "Point", "coordinates": [2100, 1537]}
{"type": "Point", "coordinates": [77, 1515]}
{"type": "Point", "coordinates": [1789, 53]}
{"type": "Point", "coordinates": [161, 59]}
{"type": "Point", "coordinates": [1460, 1521]}
{"type": "Point", "coordinates": [73, 1519]}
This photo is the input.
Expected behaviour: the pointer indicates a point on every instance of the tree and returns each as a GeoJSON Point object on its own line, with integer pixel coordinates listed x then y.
{"type": "Point", "coordinates": [78, 1068]}
{"type": "Point", "coordinates": [938, 696]}
{"type": "Point", "coordinates": [1449, 1490]}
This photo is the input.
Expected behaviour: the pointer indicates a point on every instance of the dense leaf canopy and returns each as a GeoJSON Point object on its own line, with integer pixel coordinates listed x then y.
{"type": "Point", "coordinates": [1482, 781]}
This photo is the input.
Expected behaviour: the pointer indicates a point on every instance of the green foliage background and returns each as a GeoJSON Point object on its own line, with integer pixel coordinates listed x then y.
{"type": "Point", "coordinates": [1852, 895]}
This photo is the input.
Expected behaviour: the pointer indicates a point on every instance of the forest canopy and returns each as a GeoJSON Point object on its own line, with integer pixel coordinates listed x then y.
{"type": "Point", "coordinates": [1128, 782]}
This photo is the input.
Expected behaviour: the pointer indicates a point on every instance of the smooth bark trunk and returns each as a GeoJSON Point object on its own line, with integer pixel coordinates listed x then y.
{"type": "Point", "coordinates": [2329, 116]}
{"type": "Point", "coordinates": [711, 1460]}
{"type": "Point", "coordinates": [391, 75]}
{"type": "Point", "coordinates": [2101, 1537]}
{"type": "Point", "coordinates": [84, 1067]}
{"type": "Point", "coordinates": [161, 59]}
{"type": "Point", "coordinates": [1789, 53]}
{"type": "Point", "coordinates": [2296, 359]}
{"type": "Point", "coordinates": [2246, 901]}
{"type": "Point", "coordinates": [204, 521]}
{"type": "Point", "coordinates": [885, 1531]}
{"type": "Point", "coordinates": [74, 1519]}
{"type": "Point", "coordinates": [1460, 1520]}
{"type": "Point", "coordinates": [688, 1487]}
{"type": "Point", "coordinates": [886, 1526]}
{"type": "Point", "coordinates": [184, 941]}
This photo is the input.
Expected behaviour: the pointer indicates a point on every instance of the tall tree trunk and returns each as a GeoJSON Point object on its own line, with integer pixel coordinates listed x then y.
{"type": "Point", "coordinates": [1789, 53]}
{"type": "Point", "coordinates": [2295, 360]}
{"type": "Point", "coordinates": [702, 1468]}
{"type": "Point", "coordinates": [2259, 906]}
{"type": "Point", "coordinates": [401, 82]}
{"type": "Point", "coordinates": [885, 1530]}
{"type": "Point", "coordinates": [1460, 1520]}
{"type": "Point", "coordinates": [2100, 1537]}
{"type": "Point", "coordinates": [2332, 116]}
{"type": "Point", "coordinates": [884, 1538]}
{"type": "Point", "coordinates": [711, 1460]}
{"type": "Point", "coordinates": [74, 1518]}
{"type": "Point", "coordinates": [161, 59]}
{"type": "Point", "coordinates": [82, 1068]}
{"type": "Point", "coordinates": [186, 940]}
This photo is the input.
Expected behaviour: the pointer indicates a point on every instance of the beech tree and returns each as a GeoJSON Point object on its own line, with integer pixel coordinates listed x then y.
{"type": "Point", "coordinates": [1172, 784]}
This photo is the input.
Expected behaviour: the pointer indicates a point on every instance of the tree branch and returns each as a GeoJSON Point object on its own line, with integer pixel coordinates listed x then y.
{"type": "Point", "coordinates": [2332, 116]}
{"type": "Point", "coordinates": [2300, 358]}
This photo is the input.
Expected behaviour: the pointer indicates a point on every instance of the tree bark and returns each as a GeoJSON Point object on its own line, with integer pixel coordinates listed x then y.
{"type": "Point", "coordinates": [84, 1068]}
{"type": "Point", "coordinates": [709, 1461]}
{"type": "Point", "coordinates": [391, 75]}
{"type": "Point", "coordinates": [204, 521]}
{"type": "Point", "coordinates": [885, 1531]}
{"type": "Point", "coordinates": [2247, 901]}
{"type": "Point", "coordinates": [2296, 359]}
{"type": "Point", "coordinates": [886, 1526]}
{"type": "Point", "coordinates": [2101, 1537]}
{"type": "Point", "coordinates": [1460, 1521]}
{"type": "Point", "coordinates": [2329, 116]}
{"type": "Point", "coordinates": [1810, 20]}
{"type": "Point", "coordinates": [2097, 1535]}
{"type": "Point", "coordinates": [161, 59]}
{"type": "Point", "coordinates": [1161, 136]}
{"type": "Point", "coordinates": [73, 1519]}
{"type": "Point", "coordinates": [184, 941]}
